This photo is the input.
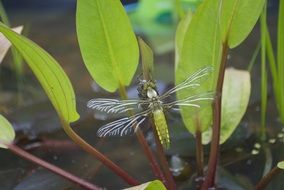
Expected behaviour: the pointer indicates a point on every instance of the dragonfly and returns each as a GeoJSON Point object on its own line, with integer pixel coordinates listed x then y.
{"type": "Point", "coordinates": [150, 104]}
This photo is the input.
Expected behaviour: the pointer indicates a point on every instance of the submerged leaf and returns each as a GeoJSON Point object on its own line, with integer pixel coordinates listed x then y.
{"type": "Point", "coordinates": [235, 98]}
{"type": "Point", "coordinates": [238, 19]}
{"type": "Point", "coordinates": [107, 42]}
{"type": "Point", "coordinates": [5, 44]}
{"type": "Point", "coordinates": [49, 73]}
{"type": "Point", "coordinates": [7, 133]}
{"type": "Point", "coordinates": [201, 48]}
{"type": "Point", "coordinates": [153, 185]}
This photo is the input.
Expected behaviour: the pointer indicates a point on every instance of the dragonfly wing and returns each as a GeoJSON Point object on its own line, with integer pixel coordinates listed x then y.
{"type": "Point", "coordinates": [123, 126]}
{"type": "Point", "coordinates": [191, 101]}
{"type": "Point", "coordinates": [113, 105]}
{"type": "Point", "coordinates": [191, 82]}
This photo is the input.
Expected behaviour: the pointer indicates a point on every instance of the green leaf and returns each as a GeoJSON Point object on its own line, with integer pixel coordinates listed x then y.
{"type": "Point", "coordinates": [280, 59]}
{"type": "Point", "coordinates": [235, 98]}
{"type": "Point", "coordinates": [238, 19]}
{"type": "Point", "coordinates": [180, 33]}
{"type": "Point", "coordinates": [107, 42]}
{"type": "Point", "coordinates": [201, 48]}
{"type": "Point", "coordinates": [147, 58]}
{"type": "Point", "coordinates": [7, 133]}
{"type": "Point", "coordinates": [281, 165]}
{"type": "Point", "coordinates": [49, 73]}
{"type": "Point", "coordinates": [152, 185]}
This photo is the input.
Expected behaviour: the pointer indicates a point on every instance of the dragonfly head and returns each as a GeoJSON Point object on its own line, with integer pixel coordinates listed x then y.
{"type": "Point", "coordinates": [144, 86]}
{"type": "Point", "coordinates": [151, 93]}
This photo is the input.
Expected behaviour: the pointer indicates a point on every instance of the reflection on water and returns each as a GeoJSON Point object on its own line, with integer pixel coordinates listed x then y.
{"type": "Point", "coordinates": [242, 161]}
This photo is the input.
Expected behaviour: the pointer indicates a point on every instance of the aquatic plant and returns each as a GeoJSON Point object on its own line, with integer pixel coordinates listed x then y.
{"type": "Point", "coordinates": [110, 51]}
{"type": "Point", "coordinates": [276, 63]}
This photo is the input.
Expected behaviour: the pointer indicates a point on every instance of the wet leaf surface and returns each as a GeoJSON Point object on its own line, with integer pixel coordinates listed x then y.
{"type": "Point", "coordinates": [109, 49]}
{"type": "Point", "coordinates": [49, 73]}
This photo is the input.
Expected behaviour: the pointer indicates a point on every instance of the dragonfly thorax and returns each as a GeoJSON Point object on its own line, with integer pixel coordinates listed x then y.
{"type": "Point", "coordinates": [151, 93]}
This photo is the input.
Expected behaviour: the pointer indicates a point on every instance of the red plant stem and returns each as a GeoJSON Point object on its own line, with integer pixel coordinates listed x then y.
{"type": "Point", "coordinates": [214, 147]}
{"type": "Point", "coordinates": [266, 179]}
{"type": "Point", "coordinates": [94, 152]}
{"type": "Point", "coordinates": [141, 138]}
{"type": "Point", "coordinates": [52, 145]}
{"type": "Point", "coordinates": [199, 153]}
{"type": "Point", "coordinates": [165, 166]}
{"type": "Point", "coordinates": [153, 163]}
{"type": "Point", "coordinates": [18, 151]}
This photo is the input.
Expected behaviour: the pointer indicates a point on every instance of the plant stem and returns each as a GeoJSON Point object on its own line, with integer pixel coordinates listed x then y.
{"type": "Point", "coordinates": [153, 162]}
{"type": "Point", "coordinates": [214, 146]}
{"type": "Point", "coordinates": [263, 74]}
{"type": "Point", "coordinates": [199, 152]}
{"type": "Point", "coordinates": [141, 138]}
{"type": "Point", "coordinates": [266, 179]}
{"type": "Point", "coordinates": [94, 152]}
{"type": "Point", "coordinates": [18, 151]}
{"type": "Point", "coordinates": [268, 159]}
{"type": "Point", "coordinates": [161, 154]}
{"type": "Point", "coordinates": [253, 58]}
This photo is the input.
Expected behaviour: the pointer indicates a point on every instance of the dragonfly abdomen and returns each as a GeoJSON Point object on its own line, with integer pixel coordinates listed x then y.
{"type": "Point", "coordinates": [161, 127]}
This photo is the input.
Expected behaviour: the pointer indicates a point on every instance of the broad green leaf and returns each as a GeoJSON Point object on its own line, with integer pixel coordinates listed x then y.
{"type": "Point", "coordinates": [107, 42]}
{"type": "Point", "coordinates": [281, 165]}
{"type": "Point", "coordinates": [180, 33]}
{"type": "Point", "coordinates": [280, 60]}
{"type": "Point", "coordinates": [238, 19]}
{"type": "Point", "coordinates": [7, 133]}
{"type": "Point", "coordinates": [147, 59]}
{"type": "Point", "coordinates": [5, 44]}
{"type": "Point", "coordinates": [201, 48]}
{"type": "Point", "coordinates": [235, 99]}
{"type": "Point", "coordinates": [153, 185]}
{"type": "Point", "coordinates": [49, 73]}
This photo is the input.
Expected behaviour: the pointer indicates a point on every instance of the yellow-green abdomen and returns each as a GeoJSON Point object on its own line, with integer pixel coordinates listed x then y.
{"type": "Point", "coordinates": [162, 128]}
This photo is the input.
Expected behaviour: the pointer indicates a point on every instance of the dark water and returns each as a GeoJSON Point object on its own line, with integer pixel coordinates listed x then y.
{"type": "Point", "coordinates": [51, 24]}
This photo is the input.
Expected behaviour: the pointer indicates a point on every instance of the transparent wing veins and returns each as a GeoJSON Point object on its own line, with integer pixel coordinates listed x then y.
{"type": "Point", "coordinates": [190, 82]}
{"type": "Point", "coordinates": [191, 101]}
{"type": "Point", "coordinates": [113, 105]}
{"type": "Point", "coordinates": [123, 126]}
